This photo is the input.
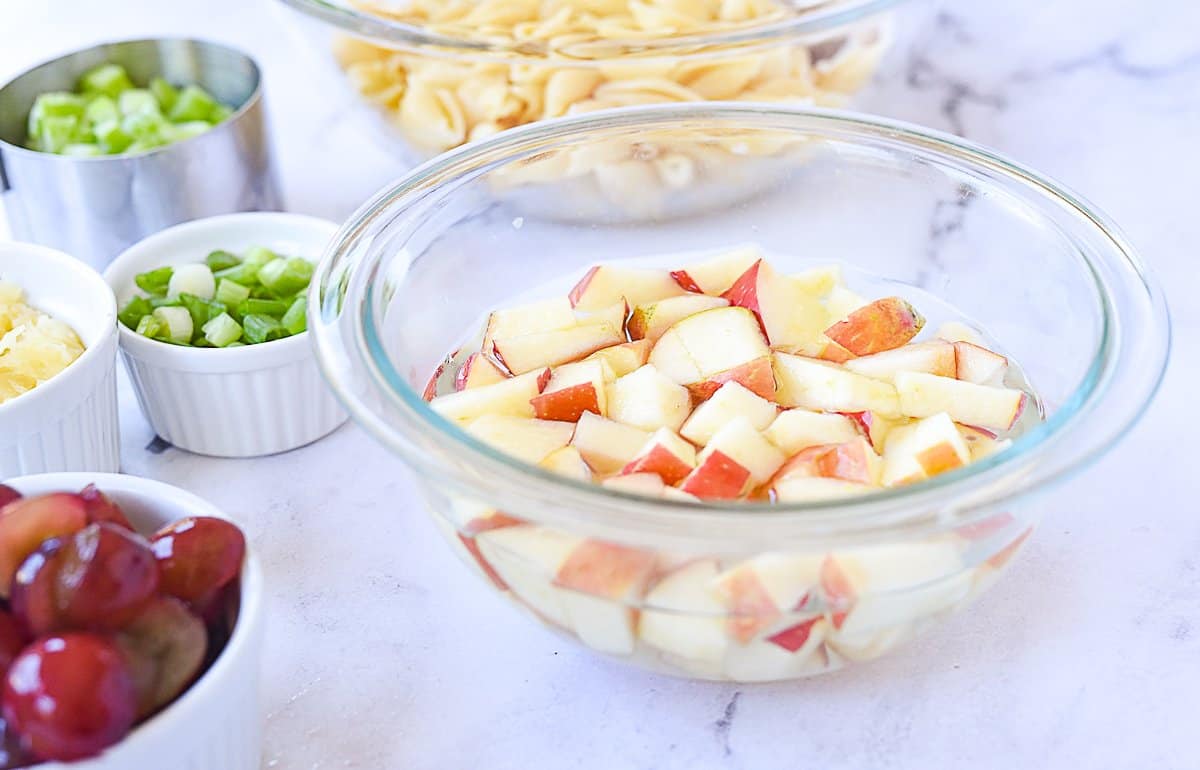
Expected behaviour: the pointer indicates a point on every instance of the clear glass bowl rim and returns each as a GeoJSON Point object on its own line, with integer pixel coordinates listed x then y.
{"type": "Point", "coordinates": [395, 34]}
{"type": "Point", "coordinates": [950, 500]}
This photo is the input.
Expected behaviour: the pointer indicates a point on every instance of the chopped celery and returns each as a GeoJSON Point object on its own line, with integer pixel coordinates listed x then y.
{"type": "Point", "coordinates": [201, 310]}
{"type": "Point", "coordinates": [192, 279]}
{"type": "Point", "coordinates": [219, 113]}
{"type": "Point", "coordinates": [111, 137]}
{"type": "Point", "coordinates": [107, 79]}
{"type": "Point", "coordinates": [165, 93]}
{"type": "Point", "coordinates": [81, 150]}
{"type": "Point", "coordinates": [177, 132]}
{"type": "Point", "coordinates": [149, 128]}
{"type": "Point", "coordinates": [269, 307]}
{"type": "Point", "coordinates": [222, 330]}
{"type": "Point", "coordinates": [52, 105]}
{"type": "Point", "coordinates": [285, 277]}
{"type": "Point", "coordinates": [261, 328]}
{"type": "Point", "coordinates": [57, 132]}
{"type": "Point", "coordinates": [150, 326]}
{"type": "Point", "coordinates": [101, 109]}
{"type": "Point", "coordinates": [138, 101]}
{"type": "Point", "coordinates": [193, 103]}
{"type": "Point", "coordinates": [230, 293]}
{"type": "Point", "coordinates": [134, 310]}
{"type": "Point", "coordinates": [221, 259]}
{"type": "Point", "coordinates": [176, 322]}
{"type": "Point", "coordinates": [295, 320]}
{"type": "Point", "coordinates": [154, 281]}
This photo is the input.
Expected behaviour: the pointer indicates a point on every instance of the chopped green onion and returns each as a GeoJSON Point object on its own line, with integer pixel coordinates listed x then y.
{"type": "Point", "coordinates": [295, 320]}
{"type": "Point", "coordinates": [165, 93]}
{"type": "Point", "coordinates": [285, 277]}
{"type": "Point", "coordinates": [107, 79]}
{"type": "Point", "coordinates": [261, 328]}
{"type": "Point", "coordinates": [193, 279]}
{"type": "Point", "coordinates": [193, 104]}
{"type": "Point", "coordinates": [177, 323]}
{"type": "Point", "coordinates": [154, 281]}
{"type": "Point", "coordinates": [258, 256]}
{"type": "Point", "coordinates": [201, 310]}
{"type": "Point", "coordinates": [269, 307]}
{"type": "Point", "coordinates": [134, 310]}
{"type": "Point", "coordinates": [150, 326]}
{"type": "Point", "coordinates": [221, 259]}
{"type": "Point", "coordinates": [231, 294]}
{"type": "Point", "coordinates": [222, 330]}
{"type": "Point", "coordinates": [165, 302]}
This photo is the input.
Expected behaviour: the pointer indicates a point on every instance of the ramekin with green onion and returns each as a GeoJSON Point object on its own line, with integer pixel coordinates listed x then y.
{"type": "Point", "coordinates": [212, 317]}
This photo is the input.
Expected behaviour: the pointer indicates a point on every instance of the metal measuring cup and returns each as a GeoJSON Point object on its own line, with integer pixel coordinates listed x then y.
{"type": "Point", "coordinates": [95, 207]}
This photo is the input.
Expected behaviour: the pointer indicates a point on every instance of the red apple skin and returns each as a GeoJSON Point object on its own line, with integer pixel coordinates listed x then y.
{"type": "Point", "coordinates": [605, 569]}
{"type": "Point", "coordinates": [744, 293]}
{"type": "Point", "coordinates": [794, 638]}
{"type": "Point", "coordinates": [578, 289]}
{"type": "Point", "coordinates": [750, 606]}
{"type": "Point", "coordinates": [719, 477]}
{"type": "Point", "coordinates": [1005, 554]}
{"type": "Point", "coordinates": [482, 524]}
{"type": "Point", "coordinates": [431, 387]}
{"type": "Point", "coordinates": [806, 462]}
{"type": "Point", "coordinates": [685, 281]}
{"type": "Point", "coordinates": [670, 468]}
{"type": "Point", "coordinates": [862, 420]}
{"type": "Point", "coordinates": [463, 377]}
{"type": "Point", "coordinates": [838, 590]}
{"type": "Point", "coordinates": [882, 325]}
{"type": "Point", "coordinates": [938, 459]}
{"type": "Point", "coordinates": [981, 530]}
{"type": "Point", "coordinates": [567, 404]}
{"type": "Point", "coordinates": [836, 353]}
{"type": "Point", "coordinates": [844, 461]}
{"type": "Point", "coordinates": [757, 376]}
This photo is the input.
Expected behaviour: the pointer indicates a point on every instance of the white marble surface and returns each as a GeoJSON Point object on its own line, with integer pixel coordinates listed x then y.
{"type": "Point", "coordinates": [384, 653]}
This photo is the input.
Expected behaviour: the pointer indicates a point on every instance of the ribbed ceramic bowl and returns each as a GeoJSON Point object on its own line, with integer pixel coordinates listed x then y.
{"type": "Point", "coordinates": [69, 422]}
{"type": "Point", "coordinates": [216, 723]}
{"type": "Point", "coordinates": [228, 402]}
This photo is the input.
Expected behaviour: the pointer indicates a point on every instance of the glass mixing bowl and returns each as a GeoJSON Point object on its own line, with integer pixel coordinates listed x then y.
{"type": "Point", "coordinates": [746, 591]}
{"type": "Point", "coordinates": [445, 73]}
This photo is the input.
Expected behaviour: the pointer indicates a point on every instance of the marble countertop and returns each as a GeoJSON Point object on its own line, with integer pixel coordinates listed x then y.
{"type": "Point", "coordinates": [384, 653]}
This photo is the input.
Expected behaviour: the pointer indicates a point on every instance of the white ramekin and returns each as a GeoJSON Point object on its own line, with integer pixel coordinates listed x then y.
{"type": "Point", "coordinates": [69, 422]}
{"type": "Point", "coordinates": [228, 402]}
{"type": "Point", "coordinates": [217, 722]}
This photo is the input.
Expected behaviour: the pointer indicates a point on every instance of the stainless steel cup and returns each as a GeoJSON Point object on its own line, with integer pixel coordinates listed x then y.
{"type": "Point", "coordinates": [94, 208]}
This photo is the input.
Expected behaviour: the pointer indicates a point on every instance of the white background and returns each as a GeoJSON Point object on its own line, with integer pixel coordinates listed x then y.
{"type": "Point", "coordinates": [385, 653]}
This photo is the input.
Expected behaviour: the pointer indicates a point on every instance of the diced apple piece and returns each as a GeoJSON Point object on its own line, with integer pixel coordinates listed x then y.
{"type": "Point", "coordinates": [525, 439]}
{"type": "Point", "coordinates": [510, 396]}
{"type": "Point", "coordinates": [604, 285]}
{"type": "Point", "coordinates": [730, 401]}
{"type": "Point", "coordinates": [716, 275]}
{"type": "Point", "coordinates": [854, 461]}
{"type": "Point", "coordinates": [665, 454]}
{"type": "Point", "coordinates": [739, 441]}
{"type": "Point", "coordinates": [651, 320]}
{"type": "Point", "coordinates": [545, 316]}
{"type": "Point", "coordinates": [794, 651]}
{"type": "Point", "coordinates": [623, 358]}
{"type": "Point", "coordinates": [828, 350]}
{"type": "Point", "coordinates": [829, 387]}
{"type": "Point", "coordinates": [649, 400]}
{"type": "Point", "coordinates": [956, 331]}
{"type": "Point", "coordinates": [572, 390]}
{"type": "Point", "coordinates": [796, 429]}
{"type": "Point", "coordinates": [527, 558]}
{"type": "Point", "coordinates": [493, 520]}
{"type": "Point", "coordinates": [717, 477]}
{"type": "Point", "coordinates": [476, 371]}
{"type": "Point", "coordinates": [882, 325]}
{"type": "Point", "coordinates": [811, 489]}
{"type": "Point", "coordinates": [924, 395]}
{"type": "Point", "coordinates": [685, 619]}
{"type": "Point", "coordinates": [606, 445]}
{"type": "Point", "coordinates": [819, 281]}
{"type": "Point", "coordinates": [791, 317]}
{"type": "Point", "coordinates": [612, 315]}
{"type": "Point", "coordinates": [542, 349]}
{"type": "Point", "coordinates": [841, 302]}
{"type": "Point", "coordinates": [935, 357]}
{"type": "Point", "coordinates": [678, 495]}
{"type": "Point", "coordinates": [982, 443]}
{"type": "Point", "coordinates": [603, 581]}
{"type": "Point", "coordinates": [925, 448]}
{"type": "Point", "coordinates": [705, 350]}
{"type": "Point", "coordinates": [567, 462]}
{"type": "Point", "coordinates": [646, 484]}
{"type": "Point", "coordinates": [759, 591]}
{"type": "Point", "coordinates": [876, 427]}
{"type": "Point", "coordinates": [978, 365]}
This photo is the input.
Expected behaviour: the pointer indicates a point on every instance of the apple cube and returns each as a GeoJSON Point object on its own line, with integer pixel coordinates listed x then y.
{"type": "Point", "coordinates": [882, 325]}
{"type": "Point", "coordinates": [685, 619]}
{"type": "Point", "coordinates": [925, 448]}
{"type": "Point", "coordinates": [567, 462]}
{"type": "Point", "coordinates": [828, 350]}
{"type": "Point", "coordinates": [853, 461]}
{"type": "Point", "coordinates": [717, 476]}
{"type": "Point", "coordinates": [572, 390]}
{"type": "Point", "coordinates": [665, 454]}
{"type": "Point", "coordinates": [623, 358]}
{"type": "Point", "coordinates": [876, 427]}
{"type": "Point", "coordinates": [761, 590]}
{"type": "Point", "coordinates": [466, 537]}
{"type": "Point", "coordinates": [814, 384]}
{"type": "Point", "coordinates": [542, 349]}
{"type": "Point", "coordinates": [606, 445]}
{"type": "Point", "coordinates": [476, 371]}
{"type": "Point", "coordinates": [811, 489]}
{"type": "Point", "coordinates": [730, 401]}
{"type": "Point", "coordinates": [935, 357]}
{"type": "Point", "coordinates": [605, 285]}
{"type": "Point", "coordinates": [956, 331]}
{"type": "Point", "coordinates": [651, 320]}
{"type": "Point", "coordinates": [794, 651]}
{"type": "Point", "coordinates": [645, 484]}
{"type": "Point", "coordinates": [792, 318]}
{"type": "Point", "coordinates": [678, 495]}
{"type": "Point", "coordinates": [841, 302]}
{"type": "Point", "coordinates": [649, 400]}
{"type": "Point", "coordinates": [978, 365]}
{"type": "Point", "coordinates": [796, 429]}
{"type": "Point", "coordinates": [705, 350]}
{"type": "Point", "coordinates": [715, 276]}
{"type": "Point", "coordinates": [545, 316]}
{"type": "Point", "coordinates": [510, 397]}
{"type": "Point", "coordinates": [525, 439]}
{"type": "Point", "coordinates": [819, 281]}
{"type": "Point", "coordinates": [739, 441]}
{"type": "Point", "coordinates": [604, 580]}
{"type": "Point", "coordinates": [612, 315]}
{"type": "Point", "coordinates": [526, 558]}
{"type": "Point", "coordinates": [924, 395]}
{"type": "Point", "coordinates": [982, 443]}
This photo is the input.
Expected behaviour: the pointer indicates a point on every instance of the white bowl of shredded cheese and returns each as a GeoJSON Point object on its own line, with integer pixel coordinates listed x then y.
{"type": "Point", "coordinates": [58, 353]}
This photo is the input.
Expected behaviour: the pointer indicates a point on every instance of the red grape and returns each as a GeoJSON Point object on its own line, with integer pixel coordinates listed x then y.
{"type": "Point", "coordinates": [12, 641]}
{"type": "Point", "coordinates": [27, 523]}
{"type": "Point", "coordinates": [100, 507]}
{"type": "Point", "coordinates": [197, 557]}
{"type": "Point", "coordinates": [106, 574]}
{"type": "Point", "coordinates": [69, 696]}
{"type": "Point", "coordinates": [8, 494]}
{"type": "Point", "coordinates": [165, 646]}
{"type": "Point", "coordinates": [33, 590]}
